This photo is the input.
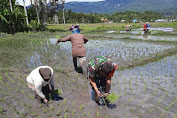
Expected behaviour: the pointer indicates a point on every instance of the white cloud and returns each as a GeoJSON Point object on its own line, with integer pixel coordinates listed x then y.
{"type": "Point", "coordinates": [27, 2]}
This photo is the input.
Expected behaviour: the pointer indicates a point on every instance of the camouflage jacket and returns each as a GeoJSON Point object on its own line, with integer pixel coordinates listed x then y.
{"type": "Point", "coordinates": [95, 63]}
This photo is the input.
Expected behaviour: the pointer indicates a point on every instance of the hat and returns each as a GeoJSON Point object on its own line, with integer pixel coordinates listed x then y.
{"type": "Point", "coordinates": [45, 73]}
{"type": "Point", "coordinates": [75, 28]}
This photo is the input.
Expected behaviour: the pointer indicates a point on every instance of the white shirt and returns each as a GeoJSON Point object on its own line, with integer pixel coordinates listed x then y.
{"type": "Point", "coordinates": [38, 82]}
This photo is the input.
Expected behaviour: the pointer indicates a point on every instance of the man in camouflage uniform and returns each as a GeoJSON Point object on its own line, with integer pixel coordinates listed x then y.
{"type": "Point", "coordinates": [100, 70]}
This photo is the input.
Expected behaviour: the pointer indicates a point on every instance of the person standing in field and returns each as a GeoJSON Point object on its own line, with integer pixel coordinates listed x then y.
{"type": "Point", "coordinates": [146, 28]}
{"type": "Point", "coordinates": [100, 72]}
{"type": "Point", "coordinates": [127, 27]}
{"type": "Point", "coordinates": [39, 80]}
{"type": "Point", "coordinates": [78, 50]}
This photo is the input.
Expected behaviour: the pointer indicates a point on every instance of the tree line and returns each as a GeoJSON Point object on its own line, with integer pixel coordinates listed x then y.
{"type": "Point", "coordinates": [15, 18]}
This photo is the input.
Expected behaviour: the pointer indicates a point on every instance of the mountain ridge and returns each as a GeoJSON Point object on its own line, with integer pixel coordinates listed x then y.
{"type": "Point", "coordinates": [112, 6]}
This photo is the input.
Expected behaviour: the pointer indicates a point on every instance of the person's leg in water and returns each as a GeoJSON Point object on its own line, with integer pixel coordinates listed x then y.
{"type": "Point", "coordinates": [75, 63]}
{"type": "Point", "coordinates": [83, 64]}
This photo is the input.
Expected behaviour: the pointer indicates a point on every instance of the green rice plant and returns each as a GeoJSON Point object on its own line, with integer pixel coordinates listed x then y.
{"type": "Point", "coordinates": [30, 96]}
{"type": "Point", "coordinates": [83, 115]}
{"type": "Point", "coordinates": [175, 116]}
{"type": "Point", "coordinates": [129, 100]}
{"type": "Point", "coordinates": [1, 110]}
{"type": "Point", "coordinates": [64, 101]}
{"type": "Point", "coordinates": [167, 92]}
{"type": "Point", "coordinates": [111, 97]}
{"type": "Point", "coordinates": [81, 107]}
{"type": "Point", "coordinates": [138, 105]}
{"type": "Point", "coordinates": [27, 105]}
{"type": "Point", "coordinates": [89, 113]}
{"type": "Point", "coordinates": [34, 114]}
{"type": "Point", "coordinates": [66, 109]}
{"type": "Point", "coordinates": [155, 91]}
{"type": "Point", "coordinates": [57, 92]}
{"type": "Point", "coordinates": [66, 115]}
{"type": "Point", "coordinates": [51, 108]}
{"type": "Point", "coordinates": [166, 108]}
{"type": "Point", "coordinates": [152, 109]}
{"type": "Point", "coordinates": [73, 112]}
{"type": "Point", "coordinates": [106, 116]}
{"type": "Point", "coordinates": [1, 80]}
{"type": "Point", "coordinates": [171, 104]}
{"type": "Point", "coordinates": [162, 114]}
{"type": "Point", "coordinates": [97, 114]}
{"type": "Point", "coordinates": [57, 36]}
{"type": "Point", "coordinates": [125, 93]}
{"type": "Point", "coordinates": [159, 101]}
{"type": "Point", "coordinates": [58, 112]}
{"type": "Point", "coordinates": [49, 115]}
{"type": "Point", "coordinates": [119, 95]}
{"type": "Point", "coordinates": [45, 110]}
{"type": "Point", "coordinates": [73, 103]}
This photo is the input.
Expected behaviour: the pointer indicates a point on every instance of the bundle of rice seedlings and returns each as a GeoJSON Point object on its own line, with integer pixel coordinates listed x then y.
{"type": "Point", "coordinates": [111, 97]}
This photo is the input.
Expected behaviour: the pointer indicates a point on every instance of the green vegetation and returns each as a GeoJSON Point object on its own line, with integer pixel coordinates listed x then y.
{"type": "Point", "coordinates": [111, 97]}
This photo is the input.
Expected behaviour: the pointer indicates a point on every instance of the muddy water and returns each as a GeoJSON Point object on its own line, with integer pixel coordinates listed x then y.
{"type": "Point", "coordinates": [120, 51]}
{"type": "Point", "coordinates": [149, 89]}
{"type": "Point", "coordinates": [153, 29]}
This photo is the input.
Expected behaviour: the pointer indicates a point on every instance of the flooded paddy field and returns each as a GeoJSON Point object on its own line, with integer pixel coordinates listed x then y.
{"type": "Point", "coordinates": [145, 81]}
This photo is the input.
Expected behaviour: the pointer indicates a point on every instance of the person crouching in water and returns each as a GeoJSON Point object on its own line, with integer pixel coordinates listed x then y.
{"type": "Point", "coordinates": [100, 71]}
{"type": "Point", "coordinates": [39, 80]}
{"type": "Point", "coordinates": [78, 50]}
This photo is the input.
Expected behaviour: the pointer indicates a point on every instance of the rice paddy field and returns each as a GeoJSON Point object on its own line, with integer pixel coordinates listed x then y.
{"type": "Point", "coordinates": [145, 82]}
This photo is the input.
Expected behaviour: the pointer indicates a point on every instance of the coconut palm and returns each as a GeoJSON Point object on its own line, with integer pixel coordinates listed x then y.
{"type": "Point", "coordinates": [10, 5]}
{"type": "Point", "coordinates": [27, 22]}
{"type": "Point", "coordinates": [37, 12]}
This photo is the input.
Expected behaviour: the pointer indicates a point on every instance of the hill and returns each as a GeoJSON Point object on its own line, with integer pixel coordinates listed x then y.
{"type": "Point", "coordinates": [111, 6]}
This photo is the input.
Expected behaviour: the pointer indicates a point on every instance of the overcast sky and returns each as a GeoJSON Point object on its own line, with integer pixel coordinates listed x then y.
{"type": "Point", "coordinates": [27, 2]}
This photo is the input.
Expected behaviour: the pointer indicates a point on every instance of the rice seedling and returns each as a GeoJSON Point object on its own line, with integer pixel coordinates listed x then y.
{"type": "Point", "coordinates": [64, 101]}
{"type": "Point", "coordinates": [34, 114]}
{"type": "Point", "coordinates": [81, 107]}
{"type": "Point", "coordinates": [49, 114]}
{"type": "Point", "coordinates": [155, 91]}
{"type": "Point", "coordinates": [162, 114]}
{"type": "Point", "coordinates": [73, 104]}
{"type": "Point", "coordinates": [58, 113]}
{"type": "Point", "coordinates": [45, 110]}
{"type": "Point", "coordinates": [66, 109]}
{"type": "Point", "coordinates": [83, 114]}
{"type": "Point", "coordinates": [31, 97]}
{"type": "Point", "coordinates": [97, 114]}
{"type": "Point", "coordinates": [73, 112]}
{"type": "Point", "coordinates": [111, 97]}
{"type": "Point", "coordinates": [66, 115]}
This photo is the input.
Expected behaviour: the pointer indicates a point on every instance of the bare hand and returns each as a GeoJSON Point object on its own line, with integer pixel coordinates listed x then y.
{"type": "Point", "coordinates": [99, 94]}
{"type": "Point", "coordinates": [45, 101]}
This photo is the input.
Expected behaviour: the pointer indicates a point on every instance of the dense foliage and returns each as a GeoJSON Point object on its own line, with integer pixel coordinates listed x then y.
{"type": "Point", "coordinates": [11, 21]}
{"type": "Point", "coordinates": [13, 18]}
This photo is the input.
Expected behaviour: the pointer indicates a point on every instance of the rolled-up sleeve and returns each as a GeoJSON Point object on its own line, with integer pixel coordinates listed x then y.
{"type": "Point", "coordinates": [38, 87]}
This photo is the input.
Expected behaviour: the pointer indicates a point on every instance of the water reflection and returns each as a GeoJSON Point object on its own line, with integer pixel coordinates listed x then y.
{"type": "Point", "coordinates": [164, 29]}
{"type": "Point", "coordinates": [149, 37]}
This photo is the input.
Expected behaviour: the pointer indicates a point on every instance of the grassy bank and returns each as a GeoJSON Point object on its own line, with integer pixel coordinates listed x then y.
{"type": "Point", "coordinates": [108, 26]}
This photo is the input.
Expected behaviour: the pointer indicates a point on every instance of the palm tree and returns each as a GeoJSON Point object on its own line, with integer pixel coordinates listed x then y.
{"type": "Point", "coordinates": [37, 12]}
{"type": "Point", "coordinates": [45, 11]}
{"type": "Point", "coordinates": [27, 22]}
{"type": "Point", "coordinates": [10, 5]}
{"type": "Point", "coordinates": [63, 2]}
